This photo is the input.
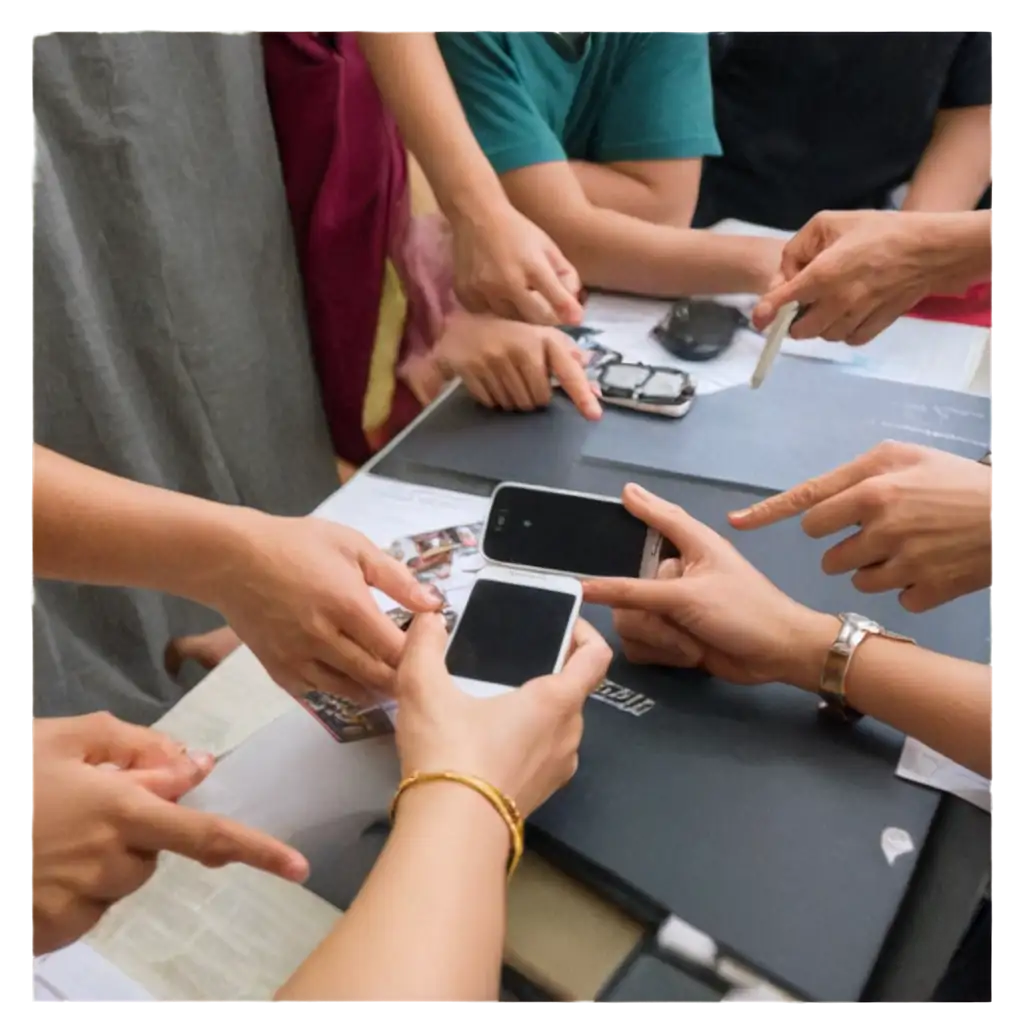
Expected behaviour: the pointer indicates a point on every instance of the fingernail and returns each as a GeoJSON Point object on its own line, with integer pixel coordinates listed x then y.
{"type": "Point", "coordinates": [297, 868]}
{"type": "Point", "coordinates": [636, 491]}
{"type": "Point", "coordinates": [741, 513]}
{"type": "Point", "coordinates": [202, 760]}
{"type": "Point", "coordinates": [429, 595]}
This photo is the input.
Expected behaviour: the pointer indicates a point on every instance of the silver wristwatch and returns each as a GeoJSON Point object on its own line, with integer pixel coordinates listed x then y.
{"type": "Point", "coordinates": [854, 629]}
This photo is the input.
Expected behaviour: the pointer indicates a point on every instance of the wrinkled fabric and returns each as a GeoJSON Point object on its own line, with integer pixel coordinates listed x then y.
{"type": "Point", "coordinates": [375, 278]}
{"type": "Point", "coordinates": [169, 333]}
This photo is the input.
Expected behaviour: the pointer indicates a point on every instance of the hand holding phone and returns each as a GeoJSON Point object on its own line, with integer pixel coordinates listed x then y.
{"type": "Point", "coordinates": [524, 742]}
{"type": "Point", "coordinates": [565, 532]}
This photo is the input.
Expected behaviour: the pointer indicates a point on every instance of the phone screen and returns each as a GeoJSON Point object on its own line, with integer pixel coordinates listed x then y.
{"type": "Point", "coordinates": [509, 633]}
{"type": "Point", "coordinates": [564, 533]}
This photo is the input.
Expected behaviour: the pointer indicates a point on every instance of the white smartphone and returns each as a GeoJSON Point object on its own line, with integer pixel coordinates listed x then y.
{"type": "Point", "coordinates": [581, 535]}
{"type": "Point", "coordinates": [515, 626]}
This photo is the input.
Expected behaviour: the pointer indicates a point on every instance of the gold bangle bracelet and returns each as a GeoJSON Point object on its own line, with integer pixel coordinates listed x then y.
{"type": "Point", "coordinates": [505, 806]}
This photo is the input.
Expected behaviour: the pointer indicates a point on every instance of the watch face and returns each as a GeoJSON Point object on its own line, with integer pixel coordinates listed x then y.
{"type": "Point", "coordinates": [863, 622]}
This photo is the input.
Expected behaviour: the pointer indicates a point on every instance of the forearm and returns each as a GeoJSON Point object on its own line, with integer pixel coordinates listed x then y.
{"type": "Point", "coordinates": [956, 168]}
{"type": "Point", "coordinates": [957, 247]}
{"type": "Point", "coordinates": [93, 527]}
{"type": "Point", "coordinates": [611, 189]}
{"type": "Point", "coordinates": [944, 702]}
{"type": "Point", "coordinates": [414, 82]}
{"type": "Point", "coordinates": [429, 922]}
{"type": "Point", "coordinates": [619, 253]}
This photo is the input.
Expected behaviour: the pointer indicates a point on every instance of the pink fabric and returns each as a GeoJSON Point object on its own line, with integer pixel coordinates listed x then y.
{"type": "Point", "coordinates": [345, 175]}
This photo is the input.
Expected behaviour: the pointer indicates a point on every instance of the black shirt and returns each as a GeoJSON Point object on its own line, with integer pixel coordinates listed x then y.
{"type": "Point", "coordinates": [829, 120]}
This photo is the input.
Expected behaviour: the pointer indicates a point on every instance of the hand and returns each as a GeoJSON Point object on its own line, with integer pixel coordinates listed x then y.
{"type": "Point", "coordinates": [855, 273]}
{"type": "Point", "coordinates": [509, 364]}
{"type": "Point", "coordinates": [207, 650]}
{"type": "Point", "coordinates": [710, 608]}
{"type": "Point", "coordinates": [505, 265]}
{"type": "Point", "coordinates": [924, 517]}
{"type": "Point", "coordinates": [524, 742]}
{"type": "Point", "coordinates": [104, 808]}
{"type": "Point", "coordinates": [297, 591]}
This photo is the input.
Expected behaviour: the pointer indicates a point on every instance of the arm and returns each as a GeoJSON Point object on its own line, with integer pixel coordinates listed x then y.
{"type": "Point", "coordinates": [957, 165]}
{"type": "Point", "coordinates": [93, 527]}
{"type": "Point", "coordinates": [944, 702]}
{"type": "Point", "coordinates": [502, 262]}
{"type": "Point", "coordinates": [416, 88]}
{"type": "Point", "coordinates": [621, 253]}
{"type": "Point", "coordinates": [956, 168]}
{"type": "Point", "coordinates": [655, 125]}
{"type": "Point", "coordinates": [659, 191]}
{"type": "Point", "coordinates": [429, 922]}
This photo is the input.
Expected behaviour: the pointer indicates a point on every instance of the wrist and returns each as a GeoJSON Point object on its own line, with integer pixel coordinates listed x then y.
{"type": "Point", "coordinates": [452, 809]}
{"type": "Point", "coordinates": [810, 638]}
{"type": "Point", "coordinates": [215, 544]}
{"type": "Point", "coordinates": [474, 200]}
{"type": "Point", "coordinates": [956, 247]}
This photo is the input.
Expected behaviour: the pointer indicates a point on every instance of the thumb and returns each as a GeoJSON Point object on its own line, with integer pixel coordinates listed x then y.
{"type": "Point", "coordinates": [795, 290]}
{"type": "Point", "coordinates": [586, 666]}
{"type": "Point", "coordinates": [422, 666]}
{"type": "Point", "coordinates": [103, 739]}
{"type": "Point", "coordinates": [689, 535]}
{"type": "Point", "coordinates": [388, 575]}
{"type": "Point", "coordinates": [172, 782]}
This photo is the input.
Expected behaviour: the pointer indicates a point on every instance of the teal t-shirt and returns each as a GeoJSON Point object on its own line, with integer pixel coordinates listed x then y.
{"type": "Point", "coordinates": [538, 97]}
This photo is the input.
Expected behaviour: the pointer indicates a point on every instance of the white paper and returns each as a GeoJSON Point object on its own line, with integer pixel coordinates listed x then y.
{"type": "Point", "coordinates": [384, 509]}
{"type": "Point", "coordinates": [78, 973]}
{"type": "Point", "coordinates": [923, 765]}
{"type": "Point", "coordinates": [236, 933]}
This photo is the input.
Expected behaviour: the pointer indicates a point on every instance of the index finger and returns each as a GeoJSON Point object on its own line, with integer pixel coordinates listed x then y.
{"type": "Point", "coordinates": [565, 365]}
{"type": "Point", "coordinates": [155, 825]}
{"type": "Point", "coordinates": [802, 497]}
{"type": "Point", "coordinates": [660, 596]}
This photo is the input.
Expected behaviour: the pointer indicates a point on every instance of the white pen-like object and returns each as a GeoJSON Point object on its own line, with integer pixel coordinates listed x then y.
{"type": "Point", "coordinates": [777, 334]}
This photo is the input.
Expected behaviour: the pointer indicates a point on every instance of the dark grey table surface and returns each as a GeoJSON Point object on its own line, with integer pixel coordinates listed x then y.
{"type": "Point", "coordinates": [460, 447]}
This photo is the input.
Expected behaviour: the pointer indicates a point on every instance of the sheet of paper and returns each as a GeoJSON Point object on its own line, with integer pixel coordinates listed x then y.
{"type": "Point", "coordinates": [923, 765]}
{"type": "Point", "coordinates": [386, 509]}
{"type": "Point", "coordinates": [78, 973]}
{"type": "Point", "coordinates": [235, 933]}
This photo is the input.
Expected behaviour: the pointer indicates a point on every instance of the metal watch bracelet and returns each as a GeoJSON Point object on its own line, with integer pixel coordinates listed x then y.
{"type": "Point", "coordinates": [854, 629]}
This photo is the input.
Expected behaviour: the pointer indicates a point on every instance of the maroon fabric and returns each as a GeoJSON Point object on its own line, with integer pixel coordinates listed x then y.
{"type": "Point", "coordinates": [345, 175]}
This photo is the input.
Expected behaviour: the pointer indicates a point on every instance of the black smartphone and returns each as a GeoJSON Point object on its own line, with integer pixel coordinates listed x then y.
{"type": "Point", "coordinates": [565, 532]}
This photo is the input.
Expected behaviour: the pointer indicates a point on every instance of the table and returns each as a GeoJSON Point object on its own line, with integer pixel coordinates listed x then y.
{"type": "Point", "coordinates": [544, 904]}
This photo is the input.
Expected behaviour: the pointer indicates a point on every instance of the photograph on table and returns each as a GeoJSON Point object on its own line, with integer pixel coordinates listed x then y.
{"type": "Point", "coordinates": [346, 719]}
{"type": "Point", "coordinates": [446, 559]}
